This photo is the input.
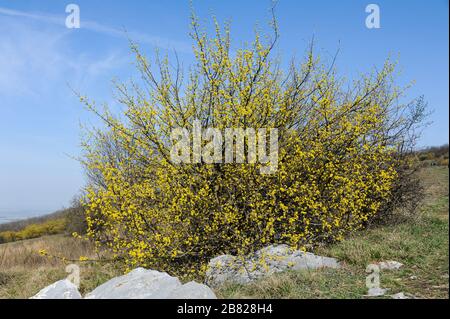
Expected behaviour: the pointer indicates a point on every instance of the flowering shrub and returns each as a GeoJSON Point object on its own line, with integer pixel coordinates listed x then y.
{"type": "Point", "coordinates": [50, 227]}
{"type": "Point", "coordinates": [337, 160]}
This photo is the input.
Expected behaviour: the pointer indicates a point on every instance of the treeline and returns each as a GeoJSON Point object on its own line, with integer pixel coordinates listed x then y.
{"type": "Point", "coordinates": [434, 155]}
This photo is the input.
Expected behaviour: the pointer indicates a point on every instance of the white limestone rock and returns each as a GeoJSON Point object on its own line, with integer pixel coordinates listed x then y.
{"type": "Point", "coordinates": [192, 290]}
{"type": "Point", "coordinates": [139, 283]}
{"type": "Point", "coordinates": [376, 292]}
{"type": "Point", "coordinates": [390, 265]}
{"type": "Point", "coordinates": [62, 289]}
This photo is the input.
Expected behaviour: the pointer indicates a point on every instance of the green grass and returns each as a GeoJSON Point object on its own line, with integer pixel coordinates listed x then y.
{"type": "Point", "coordinates": [420, 244]}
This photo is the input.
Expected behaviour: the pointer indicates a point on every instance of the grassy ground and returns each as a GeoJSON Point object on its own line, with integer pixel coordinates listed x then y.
{"type": "Point", "coordinates": [420, 244]}
{"type": "Point", "coordinates": [23, 271]}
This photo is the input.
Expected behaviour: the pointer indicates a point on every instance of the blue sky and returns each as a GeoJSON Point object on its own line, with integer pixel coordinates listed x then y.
{"type": "Point", "coordinates": [40, 59]}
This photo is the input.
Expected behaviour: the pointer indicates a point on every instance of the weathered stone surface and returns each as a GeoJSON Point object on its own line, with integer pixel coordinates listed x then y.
{"type": "Point", "coordinates": [140, 283]}
{"type": "Point", "coordinates": [402, 295]}
{"type": "Point", "coordinates": [192, 290]}
{"type": "Point", "coordinates": [269, 260]}
{"type": "Point", "coordinates": [376, 292]}
{"type": "Point", "coordinates": [390, 265]}
{"type": "Point", "coordinates": [63, 289]}
{"type": "Point", "coordinates": [137, 284]}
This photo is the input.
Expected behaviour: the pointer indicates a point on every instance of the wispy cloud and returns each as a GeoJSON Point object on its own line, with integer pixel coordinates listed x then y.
{"type": "Point", "coordinates": [35, 16]}
{"type": "Point", "coordinates": [94, 26]}
{"type": "Point", "coordinates": [36, 60]}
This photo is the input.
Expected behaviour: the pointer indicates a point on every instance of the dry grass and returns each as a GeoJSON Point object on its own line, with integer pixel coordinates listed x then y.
{"type": "Point", "coordinates": [25, 254]}
{"type": "Point", "coordinates": [23, 271]}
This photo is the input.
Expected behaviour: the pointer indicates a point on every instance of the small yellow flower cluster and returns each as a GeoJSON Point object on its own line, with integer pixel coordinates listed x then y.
{"type": "Point", "coordinates": [43, 252]}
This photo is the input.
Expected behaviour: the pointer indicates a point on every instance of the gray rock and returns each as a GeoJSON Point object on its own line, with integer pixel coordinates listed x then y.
{"type": "Point", "coordinates": [376, 292]}
{"type": "Point", "coordinates": [140, 283]}
{"type": "Point", "coordinates": [266, 261]}
{"type": "Point", "coordinates": [137, 284]}
{"type": "Point", "coordinates": [402, 295]}
{"type": "Point", "coordinates": [390, 265]}
{"type": "Point", "coordinates": [222, 269]}
{"type": "Point", "coordinates": [192, 290]}
{"type": "Point", "coordinates": [63, 289]}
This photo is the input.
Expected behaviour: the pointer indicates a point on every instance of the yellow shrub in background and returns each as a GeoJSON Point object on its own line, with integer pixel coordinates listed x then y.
{"type": "Point", "coordinates": [339, 147]}
{"type": "Point", "coordinates": [50, 227]}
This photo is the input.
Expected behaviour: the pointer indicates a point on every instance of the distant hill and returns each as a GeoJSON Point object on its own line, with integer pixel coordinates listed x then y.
{"type": "Point", "coordinates": [67, 220]}
{"type": "Point", "coordinates": [22, 223]}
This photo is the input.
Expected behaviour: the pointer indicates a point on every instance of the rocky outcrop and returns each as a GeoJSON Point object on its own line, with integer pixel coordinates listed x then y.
{"type": "Point", "coordinates": [269, 260]}
{"type": "Point", "coordinates": [192, 290]}
{"type": "Point", "coordinates": [402, 295]}
{"type": "Point", "coordinates": [63, 289]}
{"type": "Point", "coordinates": [390, 265]}
{"type": "Point", "coordinates": [143, 283]}
{"type": "Point", "coordinates": [137, 284]}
